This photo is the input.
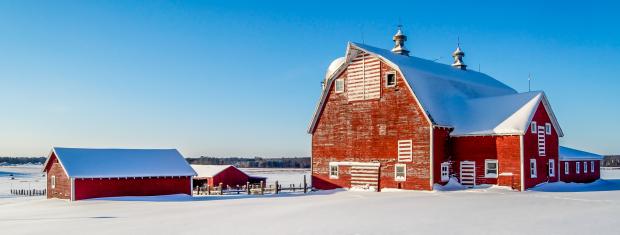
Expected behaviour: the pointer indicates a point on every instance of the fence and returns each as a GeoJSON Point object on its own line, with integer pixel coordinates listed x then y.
{"type": "Point", "coordinates": [28, 192]}
{"type": "Point", "coordinates": [249, 189]}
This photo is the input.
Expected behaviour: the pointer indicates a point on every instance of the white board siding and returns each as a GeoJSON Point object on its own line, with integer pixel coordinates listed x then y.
{"type": "Point", "coordinates": [364, 78]}
{"type": "Point", "coordinates": [468, 173]}
{"type": "Point", "coordinates": [541, 141]}
{"type": "Point", "coordinates": [405, 150]}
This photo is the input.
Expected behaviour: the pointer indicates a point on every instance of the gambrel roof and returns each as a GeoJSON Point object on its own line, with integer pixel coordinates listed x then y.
{"type": "Point", "coordinates": [472, 103]}
{"type": "Point", "coordinates": [114, 163]}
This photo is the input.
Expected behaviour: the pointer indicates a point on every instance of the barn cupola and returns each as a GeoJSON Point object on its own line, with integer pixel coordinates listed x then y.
{"type": "Point", "coordinates": [399, 42]}
{"type": "Point", "coordinates": [458, 55]}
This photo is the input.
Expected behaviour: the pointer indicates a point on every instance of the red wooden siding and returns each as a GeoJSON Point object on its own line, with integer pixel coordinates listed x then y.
{"type": "Point", "coordinates": [369, 130]}
{"type": "Point", "coordinates": [95, 188]}
{"type": "Point", "coordinates": [230, 176]}
{"type": "Point", "coordinates": [531, 151]}
{"type": "Point", "coordinates": [582, 177]}
{"type": "Point", "coordinates": [441, 146]}
{"type": "Point", "coordinates": [63, 183]}
{"type": "Point", "coordinates": [504, 149]}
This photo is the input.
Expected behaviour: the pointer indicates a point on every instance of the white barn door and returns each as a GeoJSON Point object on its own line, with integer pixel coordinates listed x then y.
{"type": "Point", "coordinates": [468, 173]}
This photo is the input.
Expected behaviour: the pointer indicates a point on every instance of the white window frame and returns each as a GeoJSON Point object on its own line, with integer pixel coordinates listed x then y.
{"type": "Point", "coordinates": [552, 167]}
{"type": "Point", "coordinates": [445, 172]}
{"type": "Point", "coordinates": [533, 127]}
{"type": "Point", "coordinates": [585, 167]}
{"type": "Point", "coordinates": [577, 167]}
{"type": "Point", "coordinates": [548, 128]}
{"type": "Point", "coordinates": [339, 80]}
{"type": "Point", "coordinates": [486, 168]}
{"type": "Point", "coordinates": [53, 181]}
{"type": "Point", "coordinates": [387, 82]}
{"type": "Point", "coordinates": [592, 166]}
{"type": "Point", "coordinates": [533, 169]}
{"type": "Point", "coordinates": [400, 178]}
{"type": "Point", "coordinates": [566, 168]}
{"type": "Point", "coordinates": [331, 172]}
{"type": "Point", "coordinates": [405, 151]}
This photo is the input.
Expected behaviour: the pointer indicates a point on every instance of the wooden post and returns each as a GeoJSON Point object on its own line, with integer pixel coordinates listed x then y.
{"type": "Point", "coordinates": [221, 188]}
{"type": "Point", "coordinates": [262, 187]}
{"type": "Point", "coordinates": [276, 187]}
{"type": "Point", "coordinates": [305, 185]}
{"type": "Point", "coordinates": [208, 189]}
{"type": "Point", "coordinates": [247, 187]}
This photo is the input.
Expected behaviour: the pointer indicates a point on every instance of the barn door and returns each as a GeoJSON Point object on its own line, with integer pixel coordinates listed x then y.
{"type": "Point", "coordinates": [365, 177]}
{"type": "Point", "coordinates": [468, 173]}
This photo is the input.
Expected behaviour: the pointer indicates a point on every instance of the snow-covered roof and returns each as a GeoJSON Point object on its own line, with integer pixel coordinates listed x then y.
{"type": "Point", "coordinates": [472, 103]}
{"type": "Point", "coordinates": [209, 170]}
{"type": "Point", "coordinates": [103, 163]}
{"type": "Point", "coordinates": [570, 154]}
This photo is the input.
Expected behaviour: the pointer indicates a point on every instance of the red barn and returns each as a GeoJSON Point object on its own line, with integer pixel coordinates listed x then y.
{"type": "Point", "coordinates": [579, 166]}
{"type": "Point", "coordinates": [79, 173]}
{"type": "Point", "coordinates": [386, 119]}
{"type": "Point", "coordinates": [228, 175]}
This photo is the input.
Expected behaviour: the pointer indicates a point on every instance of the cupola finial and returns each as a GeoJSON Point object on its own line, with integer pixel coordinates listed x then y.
{"type": "Point", "coordinates": [458, 55]}
{"type": "Point", "coordinates": [399, 42]}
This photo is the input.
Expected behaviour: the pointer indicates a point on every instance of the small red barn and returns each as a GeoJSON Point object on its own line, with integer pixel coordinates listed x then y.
{"type": "Point", "coordinates": [80, 173]}
{"type": "Point", "coordinates": [228, 175]}
{"type": "Point", "coordinates": [579, 166]}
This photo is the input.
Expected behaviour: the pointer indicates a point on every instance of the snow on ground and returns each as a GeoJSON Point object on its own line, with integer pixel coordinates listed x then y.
{"type": "Point", "coordinates": [283, 176]}
{"type": "Point", "coordinates": [20, 177]}
{"type": "Point", "coordinates": [548, 209]}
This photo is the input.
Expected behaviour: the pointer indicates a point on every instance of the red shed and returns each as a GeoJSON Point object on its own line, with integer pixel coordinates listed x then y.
{"type": "Point", "coordinates": [228, 175]}
{"type": "Point", "coordinates": [387, 119]}
{"type": "Point", "coordinates": [579, 166]}
{"type": "Point", "coordinates": [80, 173]}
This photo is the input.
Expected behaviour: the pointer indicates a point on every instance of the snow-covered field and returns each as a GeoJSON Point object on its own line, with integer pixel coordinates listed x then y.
{"type": "Point", "coordinates": [20, 177]}
{"type": "Point", "coordinates": [549, 209]}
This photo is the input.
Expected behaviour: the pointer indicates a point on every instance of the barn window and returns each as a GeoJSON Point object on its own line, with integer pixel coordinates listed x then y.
{"type": "Point", "coordinates": [445, 172]}
{"type": "Point", "coordinates": [541, 141]}
{"type": "Point", "coordinates": [400, 172]}
{"type": "Point", "coordinates": [532, 168]}
{"type": "Point", "coordinates": [551, 167]}
{"type": "Point", "coordinates": [577, 167]}
{"type": "Point", "coordinates": [53, 183]}
{"type": "Point", "coordinates": [405, 150]}
{"type": "Point", "coordinates": [333, 171]}
{"type": "Point", "coordinates": [390, 80]}
{"type": "Point", "coordinates": [533, 127]}
{"type": "Point", "coordinates": [339, 85]}
{"type": "Point", "coordinates": [566, 168]}
{"type": "Point", "coordinates": [490, 168]}
{"type": "Point", "coordinates": [548, 128]}
{"type": "Point", "coordinates": [585, 167]}
{"type": "Point", "coordinates": [592, 166]}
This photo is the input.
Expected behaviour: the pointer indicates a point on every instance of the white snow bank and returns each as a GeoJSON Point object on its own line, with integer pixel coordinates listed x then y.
{"type": "Point", "coordinates": [452, 185]}
{"type": "Point", "coordinates": [599, 185]}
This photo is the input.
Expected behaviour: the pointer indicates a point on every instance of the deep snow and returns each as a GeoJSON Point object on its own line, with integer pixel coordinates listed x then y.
{"type": "Point", "coordinates": [548, 209]}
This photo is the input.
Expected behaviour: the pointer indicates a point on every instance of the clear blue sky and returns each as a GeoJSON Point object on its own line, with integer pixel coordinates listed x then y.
{"type": "Point", "coordinates": [222, 79]}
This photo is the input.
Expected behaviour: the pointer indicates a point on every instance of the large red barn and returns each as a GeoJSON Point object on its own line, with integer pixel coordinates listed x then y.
{"type": "Point", "coordinates": [79, 173]}
{"type": "Point", "coordinates": [387, 119]}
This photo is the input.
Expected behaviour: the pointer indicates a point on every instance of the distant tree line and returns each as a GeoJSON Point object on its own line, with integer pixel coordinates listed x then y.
{"type": "Point", "coordinates": [256, 162]}
{"type": "Point", "coordinates": [611, 161]}
{"type": "Point", "coordinates": [21, 160]}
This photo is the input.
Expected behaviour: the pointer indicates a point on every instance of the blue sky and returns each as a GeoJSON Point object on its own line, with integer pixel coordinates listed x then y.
{"type": "Point", "coordinates": [222, 79]}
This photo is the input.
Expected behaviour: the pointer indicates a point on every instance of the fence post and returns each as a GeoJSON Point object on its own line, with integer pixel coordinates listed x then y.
{"type": "Point", "coordinates": [277, 187]}
{"type": "Point", "coordinates": [247, 187]}
{"type": "Point", "coordinates": [221, 188]}
{"type": "Point", "coordinates": [305, 185]}
{"type": "Point", "coordinates": [262, 188]}
{"type": "Point", "coordinates": [208, 189]}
